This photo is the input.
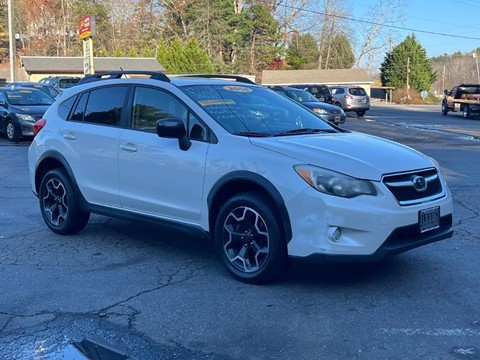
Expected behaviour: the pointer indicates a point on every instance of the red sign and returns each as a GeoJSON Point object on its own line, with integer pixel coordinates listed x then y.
{"type": "Point", "coordinates": [86, 26]}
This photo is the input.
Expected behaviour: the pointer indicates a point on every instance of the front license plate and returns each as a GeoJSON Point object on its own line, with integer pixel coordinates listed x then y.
{"type": "Point", "coordinates": [429, 219]}
{"type": "Point", "coordinates": [337, 118]}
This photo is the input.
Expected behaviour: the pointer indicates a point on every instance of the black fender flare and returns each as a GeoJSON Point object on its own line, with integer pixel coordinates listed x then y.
{"type": "Point", "coordinates": [259, 181]}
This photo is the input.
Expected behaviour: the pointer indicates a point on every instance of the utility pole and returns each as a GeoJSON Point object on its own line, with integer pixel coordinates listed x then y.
{"type": "Point", "coordinates": [476, 59]}
{"type": "Point", "coordinates": [443, 77]}
{"type": "Point", "coordinates": [11, 41]}
{"type": "Point", "coordinates": [408, 77]}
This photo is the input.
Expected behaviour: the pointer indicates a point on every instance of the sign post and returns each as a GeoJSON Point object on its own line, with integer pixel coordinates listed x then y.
{"type": "Point", "coordinates": [86, 29]}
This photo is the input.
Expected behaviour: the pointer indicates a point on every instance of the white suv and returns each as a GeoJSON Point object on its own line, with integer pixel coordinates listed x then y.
{"type": "Point", "coordinates": [261, 175]}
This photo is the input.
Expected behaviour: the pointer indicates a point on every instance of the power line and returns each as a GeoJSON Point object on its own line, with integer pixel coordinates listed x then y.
{"type": "Point", "coordinates": [382, 25]}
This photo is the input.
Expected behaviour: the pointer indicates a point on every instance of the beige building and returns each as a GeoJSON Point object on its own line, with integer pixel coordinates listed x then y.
{"type": "Point", "coordinates": [37, 67]}
{"type": "Point", "coordinates": [357, 77]}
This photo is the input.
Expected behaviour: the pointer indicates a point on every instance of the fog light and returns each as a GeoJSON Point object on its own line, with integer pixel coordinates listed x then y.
{"type": "Point", "coordinates": [334, 233]}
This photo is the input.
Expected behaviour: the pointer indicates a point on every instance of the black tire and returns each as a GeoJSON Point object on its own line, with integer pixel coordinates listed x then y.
{"type": "Point", "coordinates": [444, 108]}
{"type": "Point", "coordinates": [249, 239]}
{"type": "Point", "coordinates": [361, 113]}
{"type": "Point", "coordinates": [12, 131]}
{"type": "Point", "coordinates": [467, 113]}
{"type": "Point", "coordinates": [338, 104]}
{"type": "Point", "coordinates": [58, 205]}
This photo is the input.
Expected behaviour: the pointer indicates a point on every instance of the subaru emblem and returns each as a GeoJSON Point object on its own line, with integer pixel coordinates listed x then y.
{"type": "Point", "coordinates": [419, 183]}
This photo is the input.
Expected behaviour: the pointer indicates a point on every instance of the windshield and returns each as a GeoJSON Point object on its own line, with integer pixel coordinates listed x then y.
{"type": "Point", "coordinates": [28, 97]}
{"type": "Point", "coordinates": [301, 96]}
{"type": "Point", "coordinates": [254, 111]}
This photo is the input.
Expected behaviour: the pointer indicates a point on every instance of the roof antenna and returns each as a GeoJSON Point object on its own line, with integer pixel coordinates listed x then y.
{"type": "Point", "coordinates": [124, 75]}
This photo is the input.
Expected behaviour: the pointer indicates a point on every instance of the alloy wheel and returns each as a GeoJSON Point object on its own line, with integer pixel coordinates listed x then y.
{"type": "Point", "coordinates": [55, 203]}
{"type": "Point", "coordinates": [246, 239]}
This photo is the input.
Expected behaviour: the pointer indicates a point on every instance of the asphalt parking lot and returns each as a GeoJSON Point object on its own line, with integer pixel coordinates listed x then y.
{"type": "Point", "coordinates": [152, 293]}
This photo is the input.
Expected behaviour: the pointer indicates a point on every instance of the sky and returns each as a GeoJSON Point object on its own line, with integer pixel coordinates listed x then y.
{"type": "Point", "coordinates": [449, 17]}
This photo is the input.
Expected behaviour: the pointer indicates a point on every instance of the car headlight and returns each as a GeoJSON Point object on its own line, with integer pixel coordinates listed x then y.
{"type": "Point", "coordinates": [320, 111]}
{"type": "Point", "coordinates": [334, 183]}
{"type": "Point", "coordinates": [25, 117]}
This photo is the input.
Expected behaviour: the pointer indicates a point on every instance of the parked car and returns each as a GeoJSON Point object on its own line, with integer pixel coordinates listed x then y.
{"type": "Point", "coordinates": [321, 92]}
{"type": "Point", "coordinates": [47, 89]}
{"type": "Point", "coordinates": [351, 98]}
{"type": "Point", "coordinates": [325, 111]}
{"type": "Point", "coordinates": [60, 82]}
{"type": "Point", "coordinates": [19, 109]}
{"type": "Point", "coordinates": [261, 175]}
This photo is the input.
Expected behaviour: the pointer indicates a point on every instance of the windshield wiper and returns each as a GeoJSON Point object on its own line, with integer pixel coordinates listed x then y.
{"type": "Point", "coordinates": [252, 134]}
{"type": "Point", "coordinates": [304, 131]}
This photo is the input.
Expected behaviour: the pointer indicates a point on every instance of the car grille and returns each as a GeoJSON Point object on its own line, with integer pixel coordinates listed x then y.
{"type": "Point", "coordinates": [335, 112]}
{"type": "Point", "coordinates": [403, 188]}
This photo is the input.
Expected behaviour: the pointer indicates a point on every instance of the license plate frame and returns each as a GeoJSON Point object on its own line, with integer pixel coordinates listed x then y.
{"type": "Point", "coordinates": [429, 219]}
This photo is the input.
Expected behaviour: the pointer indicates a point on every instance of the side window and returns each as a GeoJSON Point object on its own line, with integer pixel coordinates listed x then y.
{"type": "Point", "coordinates": [150, 105]}
{"type": "Point", "coordinates": [65, 107]}
{"type": "Point", "coordinates": [105, 105]}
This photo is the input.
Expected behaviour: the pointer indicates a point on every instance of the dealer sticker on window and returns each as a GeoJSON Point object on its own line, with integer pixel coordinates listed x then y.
{"type": "Point", "coordinates": [429, 219]}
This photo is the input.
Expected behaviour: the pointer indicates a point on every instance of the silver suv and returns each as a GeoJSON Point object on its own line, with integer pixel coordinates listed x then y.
{"type": "Point", "coordinates": [351, 98]}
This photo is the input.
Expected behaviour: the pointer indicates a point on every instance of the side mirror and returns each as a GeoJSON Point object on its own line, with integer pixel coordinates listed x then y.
{"type": "Point", "coordinates": [173, 128]}
{"type": "Point", "coordinates": [446, 92]}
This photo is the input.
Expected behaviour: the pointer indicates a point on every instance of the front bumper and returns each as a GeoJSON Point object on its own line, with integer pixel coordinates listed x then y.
{"type": "Point", "coordinates": [26, 127]}
{"type": "Point", "coordinates": [371, 227]}
{"type": "Point", "coordinates": [400, 240]}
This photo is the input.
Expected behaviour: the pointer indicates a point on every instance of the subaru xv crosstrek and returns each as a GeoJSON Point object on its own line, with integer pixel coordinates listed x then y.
{"type": "Point", "coordinates": [261, 175]}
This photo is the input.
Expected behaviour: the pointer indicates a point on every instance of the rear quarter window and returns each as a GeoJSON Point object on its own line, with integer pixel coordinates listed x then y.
{"type": "Point", "coordinates": [65, 107]}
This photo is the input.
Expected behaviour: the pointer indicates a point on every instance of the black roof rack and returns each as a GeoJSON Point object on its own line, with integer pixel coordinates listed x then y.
{"type": "Point", "coordinates": [118, 74]}
{"type": "Point", "coordinates": [237, 78]}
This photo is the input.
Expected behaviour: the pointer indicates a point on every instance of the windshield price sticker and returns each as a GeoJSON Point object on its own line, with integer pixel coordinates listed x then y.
{"type": "Point", "coordinates": [429, 219]}
{"type": "Point", "coordinates": [241, 89]}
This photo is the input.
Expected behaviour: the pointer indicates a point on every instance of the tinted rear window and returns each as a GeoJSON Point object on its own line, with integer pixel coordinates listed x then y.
{"type": "Point", "coordinates": [357, 92]}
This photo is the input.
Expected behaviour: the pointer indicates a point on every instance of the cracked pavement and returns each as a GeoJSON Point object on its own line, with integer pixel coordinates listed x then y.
{"type": "Point", "coordinates": [161, 294]}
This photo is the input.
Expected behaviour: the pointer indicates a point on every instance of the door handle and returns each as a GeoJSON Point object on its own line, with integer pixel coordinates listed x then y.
{"type": "Point", "coordinates": [69, 136]}
{"type": "Point", "coordinates": [129, 148]}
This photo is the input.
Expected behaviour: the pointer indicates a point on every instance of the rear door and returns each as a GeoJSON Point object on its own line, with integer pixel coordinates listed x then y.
{"type": "Point", "coordinates": [91, 136]}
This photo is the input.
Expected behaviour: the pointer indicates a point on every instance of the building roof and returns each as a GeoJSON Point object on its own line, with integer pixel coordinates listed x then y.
{"type": "Point", "coordinates": [311, 77]}
{"type": "Point", "coordinates": [64, 65]}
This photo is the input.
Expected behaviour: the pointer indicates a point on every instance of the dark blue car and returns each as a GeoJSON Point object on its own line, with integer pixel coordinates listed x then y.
{"type": "Point", "coordinates": [327, 112]}
{"type": "Point", "coordinates": [19, 109]}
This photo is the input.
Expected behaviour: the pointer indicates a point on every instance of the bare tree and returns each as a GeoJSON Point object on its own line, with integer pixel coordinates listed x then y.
{"type": "Point", "coordinates": [375, 35]}
{"type": "Point", "coordinates": [332, 24]}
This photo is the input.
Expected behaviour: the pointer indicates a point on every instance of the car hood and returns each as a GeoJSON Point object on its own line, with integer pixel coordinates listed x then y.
{"type": "Point", "coordinates": [355, 154]}
{"type": "Point", "coordinates": [34, 110]}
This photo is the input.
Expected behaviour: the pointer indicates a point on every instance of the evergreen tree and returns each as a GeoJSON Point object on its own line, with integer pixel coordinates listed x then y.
{"type": "Point", "coordinates": [179, 58]}
{"type": "Point", "coordinates": [342, 56]}
{"type": "Point", "coordinates": [302, 51]}
{"type": "Point", "coordinates": [409, 56]}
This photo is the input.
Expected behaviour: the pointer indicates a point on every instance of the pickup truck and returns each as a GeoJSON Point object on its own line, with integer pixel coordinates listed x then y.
{"type": "Point", "coordinates": [463, 97]}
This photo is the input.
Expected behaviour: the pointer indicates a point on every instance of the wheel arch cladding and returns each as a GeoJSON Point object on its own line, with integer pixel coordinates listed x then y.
{"type": "Point", "coordinates": [54, 160]}
{"type": "Point", "coordinates": [243, 181]}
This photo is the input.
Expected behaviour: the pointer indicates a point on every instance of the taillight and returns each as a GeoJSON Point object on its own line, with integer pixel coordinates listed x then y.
{"type": "Point", "coordinates": [39, 124]}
